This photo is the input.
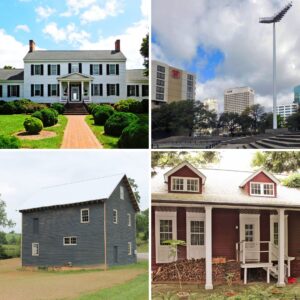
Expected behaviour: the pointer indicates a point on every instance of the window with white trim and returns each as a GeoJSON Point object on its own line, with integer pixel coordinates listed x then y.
{"type": "Point", "coordinates": [115, 216]}
{"type": "Point", "coordinates": [275, 233]}
{"type": "Point", "coordinates": [53, 90]}
{"type": "Point", "coordinates": [70, 240]}
{"type": "Point", "coordinates": [74, 67]}
{"type": "Point", "coordinates": [197, 233]}
{"type": "Point", "coordinates": [53, 70]}
{"type": "Point", "coordinates": [85, 215]}
{"type": "Point", "coordinates": [96, 69]}
{"type": "Point", "coordinates": [35, 249]}
{"type": "Point", "coordinates": [121, 192]}
{"type": "Point", "coordinates": [38, 69]}
{"type": "Point", "coordinates": [38, 89]}
{"type": "Point", "coordinates": [129, 249]}
{"type": "Point", "coordinates": [185, 184]}
{"type": "Point", "coordinates": [129, 219]}
{"type": "Point", "coordinates": [261, 189]}
{"type": "Point", "coordinates": [249, 232]}
{"type": "Point", "coordinates": [112, 69]}
{"type": "Point", "coordinates": [165, 231]}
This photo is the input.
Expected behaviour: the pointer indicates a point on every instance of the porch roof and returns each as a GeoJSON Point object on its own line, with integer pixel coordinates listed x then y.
{"type": "Point", "coordinates": [222, 187]}
{"type": "Point", "coordinates": [75, 77]}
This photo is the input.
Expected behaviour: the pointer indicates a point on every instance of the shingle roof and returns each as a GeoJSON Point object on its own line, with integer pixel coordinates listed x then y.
{"type": "Point", "coordinates": [13, 74]}
{"type": "Point", "coordinates": [222, 187]}
{"type": "Point", "coordinates": [77, 192]}
{"type": "Point", "coordinates": [136, 75]}
{"type": "Point", "coordinates": [74, 55]}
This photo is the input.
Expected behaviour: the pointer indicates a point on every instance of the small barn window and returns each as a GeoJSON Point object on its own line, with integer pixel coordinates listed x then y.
{"type": "Point", "coordinates": [129, 219]}
{"type": "Point", "coordinates": [85, 215]}
{"type": "Point", "coordinates": [70, 240]}
{"type": "Point", "coordinates": [115, 216]}
{"type": "Point", "coordinates": [121, 192]}
{"type": "Point", "coordinates": [129, 248]}
{"type": "Point", "coordinates": [261, 189]}
{"type": "Point", "coordinates": [35, 249]}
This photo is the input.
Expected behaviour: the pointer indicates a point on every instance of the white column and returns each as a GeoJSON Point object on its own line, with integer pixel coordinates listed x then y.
{"type": "Point", "coordinates": [60, 91]}
{"type": "Point", "coordinates": [274, 79]}
{"type": "Point", "coordinates": [281, 277]}
{"type": "Point", "coordinates": [82, 90]}
{"type": "Point", "coordinates": [90, 91]}
{"type": "Point", "coordinates": [68, 93]}
{"type": "Point", "coordinates": [208, 248]}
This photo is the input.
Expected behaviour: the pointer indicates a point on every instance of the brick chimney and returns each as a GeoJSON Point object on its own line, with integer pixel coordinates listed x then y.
{"type": "Point", "coordinates": [117, 45]}
{"type": "Point", "coordinates": [31, 45]}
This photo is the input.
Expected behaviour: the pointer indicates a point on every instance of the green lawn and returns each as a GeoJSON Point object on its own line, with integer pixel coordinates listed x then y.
{"type": "Point", "coordinates": [107, 141]}
{"type": "Point", "coordinates": [142, 245]}
{"type": "Point", "coordinates": [10, 124]}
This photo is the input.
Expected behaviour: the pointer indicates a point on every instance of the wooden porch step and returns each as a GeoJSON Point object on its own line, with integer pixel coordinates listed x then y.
{"type": "Point", "coordinates": [75, 109]}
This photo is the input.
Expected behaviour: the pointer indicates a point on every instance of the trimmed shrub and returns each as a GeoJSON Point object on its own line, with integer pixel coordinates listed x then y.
{"type": "Point", "coordinates": [47, 116]}
{"type": "Point", "coordinates": [9, 142]}
{"type": "Point", "coordinates": [22, 106]}
{"type": "Point", "coordinates": [91, 106]}
{"type": "Point", "coordinates": [135, 135]}
{"type": "Point", "coordinates": [59, 107]}
{"type": "Point", "coordinates": [102, 113]}
{"type": "Point", "coordinates": [117, 122]}
{"type": "Point", "coordinates": [293, 181]}
{"type": "Point", "coordinates": [55, 113]}
{"type": "Point", "coordinates": [129, 105]}
{"type": "Point", "coordinates": [8, 108]}
{"type": "Point", "coordinates": [33, 125]}
{"type": "Point", "coordinates": [145, 106]}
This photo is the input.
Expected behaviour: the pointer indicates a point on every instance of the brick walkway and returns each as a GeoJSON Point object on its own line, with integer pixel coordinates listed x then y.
{"type": "Point", "coordinates": [78, 135]}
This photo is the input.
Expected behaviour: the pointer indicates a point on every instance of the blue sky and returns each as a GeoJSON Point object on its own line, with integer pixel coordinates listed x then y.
{"type": "Point", "coordinates": [75, 24]}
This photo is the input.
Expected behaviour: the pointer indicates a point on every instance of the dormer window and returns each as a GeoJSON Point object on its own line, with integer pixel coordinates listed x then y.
{"type": "Point", "coordinates": [185, 184]}
{"type": "Point", "coordinates": [261, 189]}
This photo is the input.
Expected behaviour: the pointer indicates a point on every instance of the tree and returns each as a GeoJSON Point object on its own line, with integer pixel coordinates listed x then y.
{"type": "Point", "coordinates": [8, 68]}
{"type": "Point", "coordinates": [277, 162]}
{"type": "Point", "coordinates": [255, 112]}
{"type": "Point", "coordinates": [203, 118]}
{"type": "Point", "coordinates": [3, 240]}
{"type": "Point", "coordinates": [4, 221]}
{"type": "Point", "coordinates": [230, 121]}
{"type": "Point", "coordinates": [245, 122]}
{"type": "Point", "coordinates": [142, 223]}
{"type": "Point", "coordinates": [144, 50]}
{"type": "Point", "coordinates": [135, 188]}
{"type": "Point", "coordinates": [293, 121]}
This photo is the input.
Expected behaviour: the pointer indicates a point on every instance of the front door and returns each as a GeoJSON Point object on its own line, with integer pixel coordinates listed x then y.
{"type": "Point", "coordinates": [274, 233]}
{"type": "Point", "coordinates": [250, 234]}
{"type": "Point", "coordinates": [195, 233]}
{"type": "Point", "coordinates": [75, 96]}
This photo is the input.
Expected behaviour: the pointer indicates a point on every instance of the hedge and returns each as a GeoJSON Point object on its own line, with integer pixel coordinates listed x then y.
{"type": "Point", "coordinates": [117, 122]}
{"type": "Point", "coordinates": [59, 107]}
{"type": "Point", "coordinates": [9, 142]}
{"type": "Point", "coordinates": [33, 125]}
{"type": "Point", "coordinates": [102, 113]}
{"type": "Point", "coordinates": [48, 116]}
{"type": "Point", "coordinates": [129, 105]}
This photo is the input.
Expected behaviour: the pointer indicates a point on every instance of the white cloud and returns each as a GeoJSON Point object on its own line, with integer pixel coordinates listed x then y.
{"type": "Point", "coordinates": [233, 28]}
{"type": "Point", "coordinates": [44, 12]}
{"type": "Point", "coordinates": [74, 6]}
{"type": "Point", "coordinates": [145, 7]}
{"type": "Point", "coordinates": [97, 13]}
{"type": "Point", "coordinates": [70, 33]}
{"type": "Point", "coordinates": [22, 27]}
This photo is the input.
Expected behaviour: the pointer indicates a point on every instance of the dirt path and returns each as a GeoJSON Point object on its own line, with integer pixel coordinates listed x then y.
{"type": "Point", "coordinates": [16, 284]}
{"type": "Point", "coordinates": [78, 135]}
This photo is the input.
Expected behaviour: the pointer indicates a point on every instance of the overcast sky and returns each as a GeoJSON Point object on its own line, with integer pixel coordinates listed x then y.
{"type": "Point", "coordinates": [223, 42]}
{"type": "Point", "coordinates": [22, 173]}
{"type": "Point", "coordinates": [72, 24]}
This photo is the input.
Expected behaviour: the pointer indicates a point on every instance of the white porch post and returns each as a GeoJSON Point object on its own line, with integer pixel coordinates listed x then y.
{"type": "Point", "coordinates": [90, 91]}
{"type": "Point", "coordinates": [68, 93]}
{"type": "Point", "coordinates": [281, 277]}
{"type": "Point", "coordinates": [60, 91]}
{"type": "Point", "coordinates": [82, 91]}
{"type": "Point", "coordinates": [208, 248]}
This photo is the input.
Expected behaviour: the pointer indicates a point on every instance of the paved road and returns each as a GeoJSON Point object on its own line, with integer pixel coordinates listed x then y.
{"type": "Point", "coordinates": [78, 135]}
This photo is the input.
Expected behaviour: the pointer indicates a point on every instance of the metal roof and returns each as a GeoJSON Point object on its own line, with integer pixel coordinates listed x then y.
{"type": "Point", "coordinates": [77, 192]}
{"type": "Point", "coordinates": [136, 75]}
{"type": "Point", "coordinates": [222, 187]}
{"type": "Point", "coordinates": [74, 55]}
{"type": "Point", "coordinates": [12, 74]}
{"type": "Point", "coordinates": [277, 17]}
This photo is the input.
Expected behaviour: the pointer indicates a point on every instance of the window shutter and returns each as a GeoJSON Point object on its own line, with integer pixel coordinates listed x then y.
{"type": "Point", "coordinates": [80, 67]}
{"type": "Point", "coordinates": [42, 69]}
{"type": "Point", "coordinates": [92, 86]}
{"type": "Point", "coordinates": [118, 89]}
{"type": "Point", "coordinates": [100, 69]}
{"type": "Point", "coordinates": [18, 91]}
{"type": "Point", "coordinates": [91, 69]}
{"type": "Point", "coordinates": [137, 92]}
{"type": "Point", "coordinates": [70, 68]}
{"type": "Point", "coordinates": [8, 91]}
{"type": "Point", "coordinates": [107, 69]}
{"type": "Point", "coordinates": [42, 90]}
{"type": "Point", "coordinates": [0, 91]}
{"type": "Point", "coordinates": [128, 91]}
{"type": "Point", "coordinates": [49, 90]}
{"type": "Point", "coordinates": [101, 89]}
{"type": "Point", "coordinates": [57, 89]}
{"type": "Point", "coordinates": [58, 69]}
{"type": "Point", "coordinates": [49, 69]}
{"type": "Point", "coordinates": [32, 70]}
{"type": "Point", "coordinates": [117, 69]}
{"type": "Point", "coordinates": [107, 90]}
{"type": "Point", "coordinates": [32, 90]}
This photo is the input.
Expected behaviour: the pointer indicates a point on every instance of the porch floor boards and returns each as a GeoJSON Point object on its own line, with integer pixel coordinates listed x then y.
{"type": "Point", "coordinates": [78, 135]}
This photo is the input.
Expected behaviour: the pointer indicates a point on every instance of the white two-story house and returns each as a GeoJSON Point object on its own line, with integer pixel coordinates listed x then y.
{"type": "Point", "coordinates": [72, 76]}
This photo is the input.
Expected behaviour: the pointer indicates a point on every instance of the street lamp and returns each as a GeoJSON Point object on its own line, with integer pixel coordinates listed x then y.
{"type": "Point", "coordinates": [275, 19]}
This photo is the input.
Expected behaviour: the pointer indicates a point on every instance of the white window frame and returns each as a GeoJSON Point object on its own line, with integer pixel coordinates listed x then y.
{"type": "Point", "coordinates": [52, 69]}
{"type": "Point", "coordinates": [262, 184]}
{"type": "Point", "coordinates": [35, 249]}
{"type": "Point", "coordinates": [37, 70]}
{"type": "Point", "coordinates": [81, 211]}
{"type": "Point", "coordinates": [112, 69]}
{"type": "Point", "coordinates": [115, 216]}
{"type": "Point", "coordinates": [112, 89]}
{"type": "Point", "coordinates": [53, 90]}
{"type": "Point", "coordinates": [69, 237]}
{"type": "Point", "coordinates": [129, 220]}
{"type": "Point", "coordinates": [96, 69]}
{"type": "Point", "coordinates": [37, 89]}
{"type": "Point", "coordinates": [129, 248]}
{"type": "Point", "coordinates": [74, 67]}
{"type": "Point", "coordinates": [122, 192]}
{"type": "Point", "coordinates": [185, 179]}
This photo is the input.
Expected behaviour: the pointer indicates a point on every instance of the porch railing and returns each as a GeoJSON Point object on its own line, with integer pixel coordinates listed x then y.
{"type": "Point", "coordinates": [242, 251]}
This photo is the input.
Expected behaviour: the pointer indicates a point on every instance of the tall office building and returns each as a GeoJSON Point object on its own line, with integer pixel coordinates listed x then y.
{"type": "Point", "coordinates": [238, 99]}
{"type": "Point", "coordinates": [297, 94]}
{"type": "Point", "coordinates": [211, 104]}
{"type": "Point", "coordinates": [171, 84]}
{"type": "Point", "coordinates": [286, 110]}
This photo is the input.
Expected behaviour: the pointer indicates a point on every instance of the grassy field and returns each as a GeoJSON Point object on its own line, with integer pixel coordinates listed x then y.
{"type": "Point", "coordinates": [252, 291]}
{"type": "Point", "coordinates": [142, 245]}
{"type": "Point", "coordinates": [10, 124]}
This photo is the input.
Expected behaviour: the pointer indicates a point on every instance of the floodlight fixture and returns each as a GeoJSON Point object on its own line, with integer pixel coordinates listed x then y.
{"type": "Point", "coordinates": [273, 20]}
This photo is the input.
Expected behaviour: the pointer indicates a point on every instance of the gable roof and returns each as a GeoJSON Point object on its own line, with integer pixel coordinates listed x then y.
{"type": "Point", "coordinates": [11, 74]}
{"type": "Point", "coordinates": [75, 75]}
{"type": "Point", "coordinates": [269, 175]}
{"type": "Point", "coordinates": [78, 192]}
{"type": "Point", "coordinates": [184, 164]}
{"type": "Point", "coordinates": [74, 55]}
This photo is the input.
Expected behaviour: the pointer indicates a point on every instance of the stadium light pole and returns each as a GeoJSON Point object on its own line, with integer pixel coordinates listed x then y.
{"type": "Point", "coordinates": [275, 19]}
